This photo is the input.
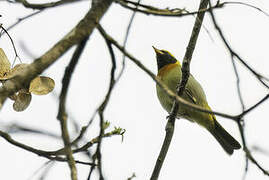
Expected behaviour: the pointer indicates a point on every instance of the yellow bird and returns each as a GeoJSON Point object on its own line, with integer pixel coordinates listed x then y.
{"type": "Point", "coordinates": [169, 71]}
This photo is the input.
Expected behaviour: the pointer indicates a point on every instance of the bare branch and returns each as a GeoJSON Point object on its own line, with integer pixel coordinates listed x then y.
{"type": "Point", "coordinates": [62, 115]}
{"type": "Point", "coordinates": [47, 165]}
{"type": "Point", "coordinates": [150, 10]}
{"type": "Point", "coordinates": [253, 160]}
{"type": "Point", "coordinates": [233, 54]}
{"type": "Point", "coordinates": [12, 42]}
{"type": "Point", "coordinates": [253, 107]}
{"type": "Point", "coordinates": [102, 108]}
{"type": "Point", "coordinates": [20, 128]}
{"type": "Point", "coordinates": [46, 154]}
{"type": "Point", "coordinates": [45, 5]}
{"type": "Point", "coordinates": [176, 12]}
{"type": "Point", "coordinates": [185, 75]}
{"type": "Point", "coordinates": [246, 4]}
{"type": "Point", "coordinates": [239, 120]}
{"type": "Point", "coordinates": [125, 41]}
{"type": "Point", "coordinates": [116, 131]}
{"type": "Point", "coordinates": [23, 19]}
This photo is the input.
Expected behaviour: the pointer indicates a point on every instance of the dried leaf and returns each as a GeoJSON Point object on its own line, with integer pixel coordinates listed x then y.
{"type": "Point", "coordinates": [41, 85]}
{"type": "Point", "coordinates": [13, 97]}
{"type": "Point", "coordinates": [4, 64]}
{"type": "Point", "coordinates": [16, 70]}
{"type": "Point", "coordinates": [22, 100]}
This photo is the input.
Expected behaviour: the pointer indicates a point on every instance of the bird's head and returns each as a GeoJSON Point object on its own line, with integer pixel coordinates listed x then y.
{"type": "Point", "coordinates": [164, 58]}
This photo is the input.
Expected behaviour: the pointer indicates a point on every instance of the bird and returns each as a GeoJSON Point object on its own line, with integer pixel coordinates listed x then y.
{"type": "Point", "coordinates": [169, 72]}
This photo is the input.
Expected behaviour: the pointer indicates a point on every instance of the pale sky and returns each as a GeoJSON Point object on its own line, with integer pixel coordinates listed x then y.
{"type": "Point", "coordinates": [134, 106]}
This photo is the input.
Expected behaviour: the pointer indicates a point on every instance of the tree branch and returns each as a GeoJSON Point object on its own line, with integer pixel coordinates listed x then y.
{"type": "Point", "coordinates": [45, 5]}
{"type": "Point", "coordinates": [38, 152]}
{"type": "Point", "coordinates": [82, 30]}
{"type": "Point", "coordinates": [62, 115]}
{"type": "Point", "coordinates": [185, 75]}
{"type": "Point", "coordinates": [259, 77]}
{"type": "Point", "coordinates": [102, 108]}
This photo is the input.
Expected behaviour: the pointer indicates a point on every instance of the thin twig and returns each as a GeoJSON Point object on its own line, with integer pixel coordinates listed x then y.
{"type": "Point", "coordinates": [240, 121]}
{"type": "Point", "coordinates": [20, 128]}
{"type": "Point", "coordinates": [46, 154]}
{"type": "Point", "coordinates": [248, 154]}
{"type": "Point", "coordinates": [131, 177]}
{"type": "Point", "coordinates": [246, 4]}
{"type": "Point", "coordinates": [12, 42]}
{"type": "Point", "coordinates": [239, 124]}
{"type": "Point", "coordinates": [238, 85]}
{"type": "Point", "coordinates": [62, 115]}
{"type": "Point", "coordinates": [234, 54]}
{"type": "Point", "coordinates": [150, 10]}
{"type": "Point", "coordinates": [116, 131]}
{"type": "Point", "coordinates": [260, 150]}
{"type": "Point", "coordinates": [46, 170]}
{"type": "Point", "coordinates": [176, 12]}
{"type": "Point", "coordinates": [19, 20]}
{"type": "Point", "coordinates": [239, 118]}
{"type": "Point", "coordinates": [125, 40]}
{"type": "Point", "coordinates": [46, 165]}
{"type": "Point", "coordinates": [253, 107]}
{"type": "Point", "coordinates": [45, 5]}
{"type": "Point", "coordinates": [102, 108]}
{"type": "Point", "coordinates": [253, 160]}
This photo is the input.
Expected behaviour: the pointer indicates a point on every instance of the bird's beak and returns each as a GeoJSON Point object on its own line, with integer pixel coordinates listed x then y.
{"type": "Point", "coordinates": [157, 51]}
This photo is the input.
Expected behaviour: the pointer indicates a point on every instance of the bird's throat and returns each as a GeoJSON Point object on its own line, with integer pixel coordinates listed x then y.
{"type": "Point", "coordinates": [167, 68]}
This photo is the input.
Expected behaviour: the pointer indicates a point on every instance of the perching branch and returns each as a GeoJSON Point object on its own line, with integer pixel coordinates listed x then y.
{"type": "Point", "coordinates": [185, 75]}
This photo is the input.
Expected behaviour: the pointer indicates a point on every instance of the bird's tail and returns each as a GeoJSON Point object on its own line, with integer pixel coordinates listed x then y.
{"type": "Point", "coordinates": [228, 143]}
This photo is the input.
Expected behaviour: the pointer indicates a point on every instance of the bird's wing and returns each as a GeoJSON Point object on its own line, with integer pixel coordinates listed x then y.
{"type": "Point", "coordinates": [190, 96]}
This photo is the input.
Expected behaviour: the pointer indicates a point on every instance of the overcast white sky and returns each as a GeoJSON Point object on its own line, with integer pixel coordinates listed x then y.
{"type": "Point", "coordinates": [134, 106]}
